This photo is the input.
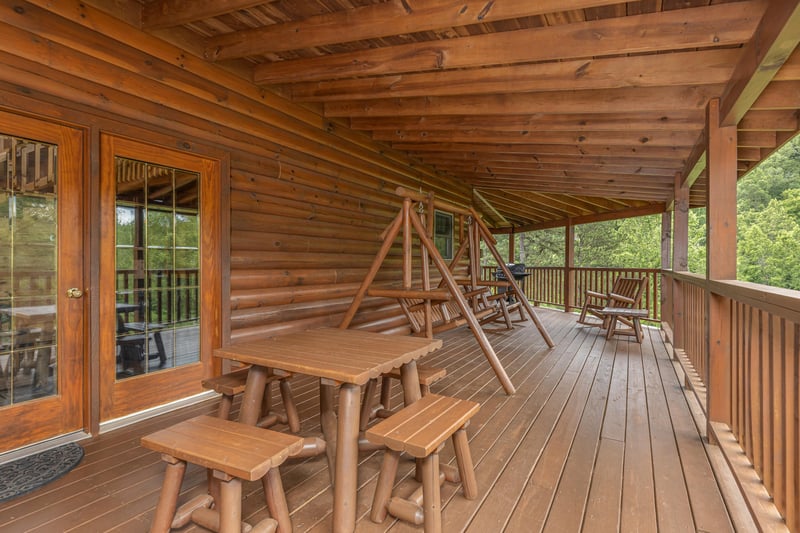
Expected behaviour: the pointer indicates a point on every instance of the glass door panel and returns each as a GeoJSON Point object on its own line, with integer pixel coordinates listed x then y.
{"type": "Point", "coordinates": [28, 246]}
{"type": "Point", "coordinates": [156, 209]}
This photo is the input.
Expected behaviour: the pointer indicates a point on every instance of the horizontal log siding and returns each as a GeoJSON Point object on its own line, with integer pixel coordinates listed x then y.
{"type": "Point", "coordinates": [308, 197]}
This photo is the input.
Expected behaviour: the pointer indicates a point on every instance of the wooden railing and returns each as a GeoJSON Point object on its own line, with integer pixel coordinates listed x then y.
{"type": "Point", "coordinates": [758, 390]}
{"type": "Point", "coordinates": [545, 285]}
{"type": "Point", "coordinates": [172, 294]}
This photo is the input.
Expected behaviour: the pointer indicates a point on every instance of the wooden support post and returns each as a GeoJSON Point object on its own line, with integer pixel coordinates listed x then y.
{"type": "Point", "coordinates": [721, 263]}
{"type": "Point", "coordinates": [680, 257]}
{"type": "Point", "coordinates": [511, 246]}
{"type": "Point", "coordinates": [569, 265]}
{"type": "Point", "coordinates": [666, 264]}
{"type": "Point", "coordinates": [406, 243]}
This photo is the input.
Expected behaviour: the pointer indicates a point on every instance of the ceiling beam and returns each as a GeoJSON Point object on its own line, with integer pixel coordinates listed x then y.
{"type": "Point", "coordinates": [379, 20]}
{"type": "Point", "coordinates": [680, 29]}
{"type": "Point", "coordinates": [686, 68]}
{"type": "Point", "coordinates": [771, 45]}
{"type": "Point", "coordinates": [169, 13]}
{"type": "Point", "coordinates": [488, 205]}
{"type": "Point", "coordinates": [625, 100]}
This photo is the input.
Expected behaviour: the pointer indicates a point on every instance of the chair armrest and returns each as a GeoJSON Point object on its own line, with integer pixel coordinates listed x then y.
{"type": "Point", "coordinates": [595, 294]}
{"type": "Point", "coordinates": [621, 298]}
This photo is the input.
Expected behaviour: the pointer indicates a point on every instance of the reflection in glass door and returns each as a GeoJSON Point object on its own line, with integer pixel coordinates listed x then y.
{"type": "Point", "coordinates": [157, 267]}
{"type": "Point", "coordinates": [28, 245]}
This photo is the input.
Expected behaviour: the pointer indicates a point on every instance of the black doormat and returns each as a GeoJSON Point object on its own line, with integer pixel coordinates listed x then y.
{"type": "Point", "coordinates": [28, 473]}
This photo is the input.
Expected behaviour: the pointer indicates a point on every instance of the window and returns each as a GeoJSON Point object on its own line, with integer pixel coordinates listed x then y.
{"type": "Point", "coordinates": [443, 233]}
{"type": "Point", "coordinates": [157, 266]}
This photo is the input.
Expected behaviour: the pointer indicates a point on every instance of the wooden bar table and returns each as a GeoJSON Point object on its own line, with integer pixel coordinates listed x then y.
{"type": "Point", "coordinates": [342, 358]}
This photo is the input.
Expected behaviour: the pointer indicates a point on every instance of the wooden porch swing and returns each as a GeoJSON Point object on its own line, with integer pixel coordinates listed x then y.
{"type": "Point", "coordinates": [456, 300]}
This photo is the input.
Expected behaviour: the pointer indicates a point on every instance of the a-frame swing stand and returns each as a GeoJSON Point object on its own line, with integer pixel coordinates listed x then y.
{"type": "Point", "coordinates": [448, 289]}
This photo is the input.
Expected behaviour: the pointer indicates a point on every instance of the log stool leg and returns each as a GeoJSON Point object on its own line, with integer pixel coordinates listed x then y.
{"type": "Point", "coordinates": [465, 468]}
{"type": "Point", "coordinates": [276, 500]}
{"type": "Point", "coordinates": [168, 501]}
{"type": "Point", "coordinates": [292, 417]}
{"type": "Point", "coordinates": [230, 505]}
{"type": "Point", "coordinates": [431, 496]}
{"type": "Point", "coordinates": [225, 404]}
{"type": "Point", "coordinates": [383, 489]}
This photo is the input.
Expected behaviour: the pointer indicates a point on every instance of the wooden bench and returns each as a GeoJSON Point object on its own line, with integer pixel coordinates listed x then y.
{"type": "Point", "coordinates": [232, 452]}
{"type": "Point", "coordinates": [233, 383]}
{"type": "Point", "coordinates": [634, 316]}
{"type": "Point", "coordinates": [428, 375]}
{"type": "Point", "coordinates": [421, 430]}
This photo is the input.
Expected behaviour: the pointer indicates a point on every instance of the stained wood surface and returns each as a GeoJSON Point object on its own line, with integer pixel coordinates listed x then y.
{"type": "Point", "coordinates": [589, 419]}
{"type": "Point", "coordinates": [242, 451]}
{"type": "Point", "coordinates": [341, 355]}
{"type": "Point", "coordinates": [422, 426]}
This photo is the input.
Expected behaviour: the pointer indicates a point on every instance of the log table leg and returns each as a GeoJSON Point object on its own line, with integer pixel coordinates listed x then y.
{"type": "Point", "coordinates": [250, 409]}
{"type": "Point", "coordinates": [327, 422]}
{"type": "Point", "coordinates": [345, 490]}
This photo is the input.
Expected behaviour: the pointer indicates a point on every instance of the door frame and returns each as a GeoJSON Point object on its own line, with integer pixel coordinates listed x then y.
{"type": "Point", "coordinates": [65, 412]}
{"type": "Point", "coordinates": [134, 394]}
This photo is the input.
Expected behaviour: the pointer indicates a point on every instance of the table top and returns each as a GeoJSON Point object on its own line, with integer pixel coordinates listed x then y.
{"type": "Point", "coordinates": [342, 355]}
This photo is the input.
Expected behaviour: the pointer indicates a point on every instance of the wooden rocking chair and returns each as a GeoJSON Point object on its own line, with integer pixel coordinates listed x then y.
{"type": "Point", "coordinates": [626, 293]}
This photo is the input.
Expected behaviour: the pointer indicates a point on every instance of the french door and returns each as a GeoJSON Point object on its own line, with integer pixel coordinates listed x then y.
{"type": "Point", "coordinates": [159, 274]}
{"type": "Point", "coordinates": [42, 283]}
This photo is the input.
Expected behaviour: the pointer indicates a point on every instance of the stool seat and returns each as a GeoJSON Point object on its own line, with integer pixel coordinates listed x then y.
{"type": "Point", "coordinates": [217, 444]}
{"type": "Point", "coordinates": [421, 427]}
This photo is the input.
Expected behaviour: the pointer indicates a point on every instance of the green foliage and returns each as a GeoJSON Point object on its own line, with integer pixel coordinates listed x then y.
{"type": "Point", "coordinates": [768, 247]}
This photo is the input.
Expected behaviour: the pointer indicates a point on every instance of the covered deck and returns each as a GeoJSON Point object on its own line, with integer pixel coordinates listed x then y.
{"type": "Point", "coordinates": [600, 436]}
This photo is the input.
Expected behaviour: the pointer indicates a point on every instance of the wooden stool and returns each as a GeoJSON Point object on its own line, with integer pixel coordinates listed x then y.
{"type": "Point", "coordinates": [630, 316]}
{"type": "Point", "coordinates": [233, 452]}
{"type": "Point", "coordinates": [428, 375]}
{"type": "Point", "coordinates": [233, 383]}
{"type": "Point", "coordinates": [420, 430]}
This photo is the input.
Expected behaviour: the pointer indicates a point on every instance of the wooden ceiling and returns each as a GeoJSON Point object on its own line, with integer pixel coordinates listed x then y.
{"type": "Point", "coordinates": [551, 109]}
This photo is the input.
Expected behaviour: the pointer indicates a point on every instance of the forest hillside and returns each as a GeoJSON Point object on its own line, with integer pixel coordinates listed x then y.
{"type": "Point", "coordinates": [768, 248]}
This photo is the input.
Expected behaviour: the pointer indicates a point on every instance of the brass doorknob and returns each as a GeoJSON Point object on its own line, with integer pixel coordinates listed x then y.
{"type": "Point", "coordinates": [74, 292]}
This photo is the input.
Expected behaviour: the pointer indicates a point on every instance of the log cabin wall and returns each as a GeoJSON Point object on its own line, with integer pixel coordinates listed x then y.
{"type": "Point", "coordinates": [308, 196]}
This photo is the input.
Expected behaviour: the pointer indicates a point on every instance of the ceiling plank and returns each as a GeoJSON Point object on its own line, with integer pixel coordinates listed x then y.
{"type": "Point", "coordinates": [712, 26]}
{"type": "Point", "coordinates": [533, 167]}
{"type": "Point", "coordinates": [780, 120]}
{"type": "Point", "coordinates": [376, 21]}
{"type": "Point", "coordinates": [779, 95]}
{"type": "Point", "coordinates": [684, 138]}
{"type": "Point", "coordinates": [656, 152]}
{"type": "Point", "coordinates": [563, 160]}
{"type": "Point", "coordinates": [169, 13]}
{"type": "Point", "coordinates": [771, 45]}
{"type": "Point", "coordinates": [653, 209]}
{"type": "Point", "coordinates": [626, 100]}
{"type": "Point", "coordinates": [674, 120]}
{"type": "Point", "coordinates": [686, 68]}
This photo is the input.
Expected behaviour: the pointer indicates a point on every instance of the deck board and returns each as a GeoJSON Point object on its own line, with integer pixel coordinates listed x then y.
{"type": "Point", "coordinates": [598, 437]}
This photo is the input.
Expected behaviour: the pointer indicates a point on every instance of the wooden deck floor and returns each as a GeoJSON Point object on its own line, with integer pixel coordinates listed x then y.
{"type": "Point", "coordinates": [598, 437]}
